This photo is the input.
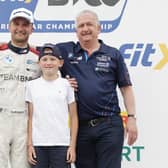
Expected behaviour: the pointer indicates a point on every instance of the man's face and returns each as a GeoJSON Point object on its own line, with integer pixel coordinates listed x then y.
{"type": "Point", "coordinates": [87, 28]}
{"type": "Point", "coordinates": [20, 29]}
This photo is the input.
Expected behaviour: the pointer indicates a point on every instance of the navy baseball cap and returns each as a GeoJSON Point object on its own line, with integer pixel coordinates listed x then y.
{"type": "Point", "coordinates": [53, 51]}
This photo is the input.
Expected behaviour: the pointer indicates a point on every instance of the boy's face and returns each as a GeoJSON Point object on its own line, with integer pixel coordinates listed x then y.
{"type": "Point", "coordinates": [50, 65]}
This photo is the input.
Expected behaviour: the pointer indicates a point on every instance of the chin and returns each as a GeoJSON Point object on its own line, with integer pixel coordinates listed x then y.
{"type": "Point", "coordinates": [86, 40]}
{"type": "Point", "coordinates": [48, 72]}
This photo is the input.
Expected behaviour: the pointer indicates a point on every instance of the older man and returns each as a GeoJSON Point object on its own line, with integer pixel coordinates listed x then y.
{"type": "Point", "coordinates": [98, 69]}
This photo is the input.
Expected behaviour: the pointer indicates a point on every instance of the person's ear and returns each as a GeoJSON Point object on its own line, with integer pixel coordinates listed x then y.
{"type": "Point", "coordinates": [99, 28]}
{"type": "Point", "coordinates": [32, 29]}
{"type": "Point", "coordinates": [61, 63]}
{"type": "Point", "coordinates": [9, 28]}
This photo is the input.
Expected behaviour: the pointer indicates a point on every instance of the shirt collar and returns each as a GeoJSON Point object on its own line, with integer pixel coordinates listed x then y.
{"type": "Point", "coordinates": [17, 49]}
{"type": "Point", "coordinates": [102, 48]}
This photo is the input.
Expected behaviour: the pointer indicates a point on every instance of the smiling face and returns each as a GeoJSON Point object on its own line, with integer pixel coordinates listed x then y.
{"type": "Point", "coordinates": [50, 65]}
{"type": "Point", "coordinates": [20, 29]}
{"type": "Point", "coordinates": [87, 27]}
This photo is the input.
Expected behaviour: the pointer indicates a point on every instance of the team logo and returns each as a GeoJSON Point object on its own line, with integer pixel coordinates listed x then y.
{"type": "Point", "coordinates": [55, 19]}
{"type": "Point", "coordinates": [8, 59]}
{"type": "Point", "coordinates": [79, 58]}
{"type": "Point", "coordinates": [70, 55]}
{"type": "Point", "coordinates": [29, 61]}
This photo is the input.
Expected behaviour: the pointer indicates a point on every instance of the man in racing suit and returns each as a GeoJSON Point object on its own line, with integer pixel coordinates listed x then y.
{"type": "Point", "coordinates": [18, 64]}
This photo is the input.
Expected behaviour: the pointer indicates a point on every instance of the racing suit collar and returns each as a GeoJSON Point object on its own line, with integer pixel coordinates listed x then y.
{"type": "Point", "coordinates": [17, 49]}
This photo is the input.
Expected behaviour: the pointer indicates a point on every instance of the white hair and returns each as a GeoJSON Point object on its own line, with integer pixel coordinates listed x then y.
{"type": "Point", "coordinates": [85, 12]}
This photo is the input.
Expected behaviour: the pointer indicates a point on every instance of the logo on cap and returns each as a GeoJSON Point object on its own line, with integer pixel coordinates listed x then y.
{"type": "Point", "coordinates": [22, 12]}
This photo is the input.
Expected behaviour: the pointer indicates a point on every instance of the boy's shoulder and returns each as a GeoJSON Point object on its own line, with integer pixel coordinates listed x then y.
{"type": "Point", "coordinates": [64, 82]}
{"type": "Point", "coordinates": [34, 81]}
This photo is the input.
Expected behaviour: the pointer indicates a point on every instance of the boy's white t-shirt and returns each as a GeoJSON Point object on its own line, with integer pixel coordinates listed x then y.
{"type": "Point", "coordinates": [50, 123]}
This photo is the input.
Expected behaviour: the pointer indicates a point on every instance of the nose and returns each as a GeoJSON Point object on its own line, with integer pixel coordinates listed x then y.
{"type": "Point", "coordinates": [85, 27]}
{"type": "Point", "coordinates": [48, 62]}
{"type": "Point", "coordinates": [20, 27]}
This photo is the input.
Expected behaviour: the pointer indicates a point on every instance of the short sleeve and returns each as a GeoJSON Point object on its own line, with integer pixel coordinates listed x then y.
{"type": "Point", "coordinates": [70, 94]}
{"type": "Point", "coordinates": [123, 77]}
{"type": "Point", "coordinates": [28, 96]}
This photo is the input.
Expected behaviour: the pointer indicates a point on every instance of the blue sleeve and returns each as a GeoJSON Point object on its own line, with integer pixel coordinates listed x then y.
{"type": "Point", "coordinates": [123, 77]}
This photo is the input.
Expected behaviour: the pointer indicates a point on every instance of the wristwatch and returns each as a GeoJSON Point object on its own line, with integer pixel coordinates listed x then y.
{"type": "Point", "coordinates": [131, 116]}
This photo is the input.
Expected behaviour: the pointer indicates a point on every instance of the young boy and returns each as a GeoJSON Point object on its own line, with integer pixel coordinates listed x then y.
{"type": "Point", "coordinates": [51, 143]}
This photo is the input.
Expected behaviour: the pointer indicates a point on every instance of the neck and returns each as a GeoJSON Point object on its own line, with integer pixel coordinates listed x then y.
{"type": "Point", "coordinates": [50, 77]}
{"type": "Point", "coordinates": [91, 47]}
{"type": "Point", "coordinates": [19, 45]}
{"type": "Point", "coordinates": [17, 49]}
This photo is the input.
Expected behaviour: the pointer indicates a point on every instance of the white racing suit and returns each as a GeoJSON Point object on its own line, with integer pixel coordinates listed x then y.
{"type": "Point", "coordinates": [16, 67]}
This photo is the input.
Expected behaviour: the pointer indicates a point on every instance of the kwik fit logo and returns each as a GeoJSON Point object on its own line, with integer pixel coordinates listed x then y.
{"type": "Point", "coordinates": [58, 15]}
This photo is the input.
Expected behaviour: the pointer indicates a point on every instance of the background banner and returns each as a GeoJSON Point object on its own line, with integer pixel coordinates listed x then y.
{"type": "Point", "coordinates": [139, 30]}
